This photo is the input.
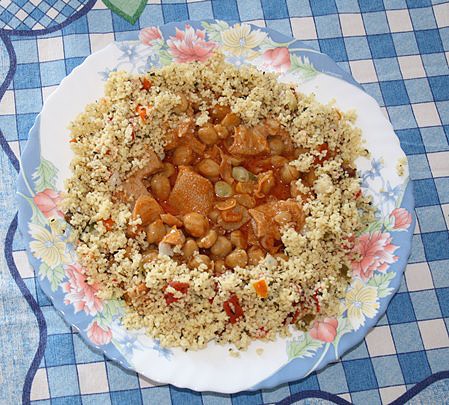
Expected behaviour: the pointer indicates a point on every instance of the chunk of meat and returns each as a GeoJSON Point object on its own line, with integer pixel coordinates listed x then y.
{"type": "Point", "coordinates": [133, 186]}
{"type": "Point", "coordinates": [248, 142]}
{"type": "Point", "coordinates": [148, 209]}
{"type": "Point", "coordinates": [154, 164]}
{"type": "Point", "coordinates": [191, 192]}
{"type": "Point", "coordinates": [263, 222]}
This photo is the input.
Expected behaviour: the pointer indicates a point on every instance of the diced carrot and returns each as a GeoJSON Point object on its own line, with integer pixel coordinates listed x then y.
{"type": "Point", "coordinates": [146, 84]}
{"type": "Point", "coordinates": [108, 223]}
{"type": "Point", "coordinates": [73, 140]}
{"type": "Point", "coordinates": [142, 111]}
{"type": "Point", "coordinates": [261, 288]}
{"type": "Point", "coordinates": [233, 309]}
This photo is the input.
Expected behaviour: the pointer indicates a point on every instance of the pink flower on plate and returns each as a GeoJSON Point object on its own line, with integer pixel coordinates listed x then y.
{"type": "Point", "coordinates": [324, 330]}
{"type": "Point", "coordinates": [83, 296]}
{"type": "Point", "coordinates": [148, 35]}
{"type": "Point", "coordinates": [190, 45]}
{"type": "Point", "coordinates": [47, 201]}
{"type": "Point", "coordinates": [277, 58]}
{"type": "Point", "coordinates": [98, 335]}
{"type": "Point", "coordinates": [402, 219]}
{"type": "Point", "coordinates": [372, 251]}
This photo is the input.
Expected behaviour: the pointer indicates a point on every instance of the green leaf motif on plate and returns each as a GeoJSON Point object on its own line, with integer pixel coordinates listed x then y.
{"type": "Point", "coordinates": [45, 176]}
{"type": "Point", "coordinates": [130, 10]}
{"type": "Point", "coordinates": [303, 346]}
{"type": "Point", "coordinates": [382, 282]}
{"type": "Point", "coordinates": [214, 30]}
{"type": "Point", "coordinates": [54, 275]}
{"type": "Point", "coordinates": [302, 66]}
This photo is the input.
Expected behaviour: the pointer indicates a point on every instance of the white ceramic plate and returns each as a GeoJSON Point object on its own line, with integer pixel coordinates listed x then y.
{"type": "Point", "coordinates": [385, 246]}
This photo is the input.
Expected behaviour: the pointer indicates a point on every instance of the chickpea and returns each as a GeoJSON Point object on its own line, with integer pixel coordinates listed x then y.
{"type": "Point", "coordinates": [155, 231]}
{"type": "Point", "coordinates": [294, 192]}
{"type": "Point", "coordinates": [309, 178]}
{"type": "Point", "coordinates": [289, 173]}
{"type": "Point", "coordinates": [281, 256]}
{"type": "Point", "coordinates": [160, 187]}
{"type": "Point", "coordinates": [276, 145]}
{"type": "Point", "coordinates": [221, 247]}
{"type": "Point", "coordinates": [196, 224]}
{"type": "Point", "coordinates": [209, 168]}
{"type": "Point", "coordinates": [183, 155]}
{"type": "Point", "coordinates": [207, 134]}
{"type": "Point", "coordinates": [219, 267]}
{"type": "Point", "coordinates": [214, 215]}
{"type": "Point", "coordinates": [246, 200]}
{"type": "Point", "coordinates": [219, 111]}
{"type": "Point", "coordinates": [238, 239]}
{"type": "Point", "coordinates": [283, 217]}
{"type": "Point", "coordinates": [231, 121]}
{"type": "Point", "coordinates": [148, 256]}
{"type": "Point", "coordinates": [278, 161]}
{"type": "Point", "coordinates": [169, 170]}
{"type": "Point", "coordinates": [208, 240]}
{"type": "Point", "coordinates": [183, 104]}
{"type": "Point", "coordinates": [221, 131]}
{"type": "Point", "coordinates": [237, 258]}
{"type": "Point", "coordinates": [171, 220]}
{"type": "Point", "coordinates": [272, 126]}
{"type": "Point", "coordinates": [198, 260]}
{"type": "Point", "coordinates": [255, 255]}
{"type": "Point", "coordinates": [189, 247]}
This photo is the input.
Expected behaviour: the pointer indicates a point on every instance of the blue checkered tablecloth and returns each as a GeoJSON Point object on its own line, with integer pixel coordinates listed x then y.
{"type": "Point", "coordinates": [397, 49]}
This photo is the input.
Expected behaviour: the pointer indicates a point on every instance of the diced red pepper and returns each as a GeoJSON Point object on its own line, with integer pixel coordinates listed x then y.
{"type": "Point", "coordinates": [73, 140]}
{"type": "Point", "coordinates": [108, 223]}
{"type": "Point", "coordinates": [358, 194]}
{"type": "Point", "coordinates": [233, 309]}
{"type": "Point", "coordinates": [146, 84]}
{"type": "Point", "coordinates": [321, 148]}
{"type": "Point", "coordinates": [178, 286]}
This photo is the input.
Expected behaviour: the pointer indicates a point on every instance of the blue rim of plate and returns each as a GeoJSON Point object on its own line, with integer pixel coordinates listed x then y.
{"type": "Point", "coordinates": [30, 160]}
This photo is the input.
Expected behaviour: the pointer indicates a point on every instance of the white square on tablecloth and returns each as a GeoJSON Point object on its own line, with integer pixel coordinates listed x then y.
{"type": "Point", "coordinates": [441, 12]}
{"type": "Point", "coordinates": [389, 394]}
{"type": "Point", "coordinates": [303, 28]}
{"type": "Point", "coordinates": [352, 25]}
{"type": "Point", "coordinates": [439, 163]}
{"type": "Point", "coordinates": [418, 277]}
{"type": "Point", "coordinates": [39, 388]}
{"type": "Point", "coordinates": [433, 333]}
{"type": "Point", "coordinates": [50, 49]}
{"type": "Point", "coordinates": [7, 103]}
{"type": "Point", "coordinates": [99, 41]}
{"type": "Point", "coordinates": [92, 378]}
{"type": "Point", "coordinates": [399, 20]}
{"type": "Point", "coordinates": [380, 342]}
{"type": "Point", "coordinates": [411, 66]}
{"type": "Point", "coordinates": [426, 114]}
{"type": "Point", "coordinates": [363, 71]}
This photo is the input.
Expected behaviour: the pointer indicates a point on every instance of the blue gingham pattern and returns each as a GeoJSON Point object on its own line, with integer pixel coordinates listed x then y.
{"type": "Point", "coordinates": [36, 14]}
{"type": "Point", "coordinates": [399, 51]}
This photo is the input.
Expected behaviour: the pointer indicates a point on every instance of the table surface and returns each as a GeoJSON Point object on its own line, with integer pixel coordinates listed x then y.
{"type": "Point", "coordinates": [397, 49]}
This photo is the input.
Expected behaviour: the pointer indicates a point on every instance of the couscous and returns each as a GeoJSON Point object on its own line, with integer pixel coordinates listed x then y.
{"type": "Point", "coordinates": [218, 203]}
